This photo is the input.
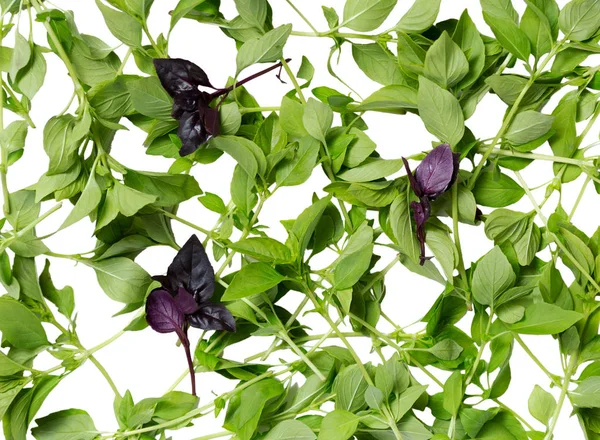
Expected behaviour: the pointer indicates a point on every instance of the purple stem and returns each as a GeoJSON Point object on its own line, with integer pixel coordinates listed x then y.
{"type": "Point", "coordinates": [186, 346]}
{"type": "Point", "coordinates": [226, 90]}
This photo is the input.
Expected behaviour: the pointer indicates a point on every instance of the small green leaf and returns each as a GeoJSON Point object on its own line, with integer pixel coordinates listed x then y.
{"type": "Point", "coordinates": [338, 425]}
{"type": "Point", "coordinates": [264, 49]}
{"type": "Point", "coordinates": [20, 326]}
{"type": "Point", "coordinates": [252, 279]}
{"type": "Point", "coordinates": [445, 63]}
{"type": "Point", "coordinates": [366, 15]}
{"type": "Point", "coordinates": [528, 126]}
{"type": "Point", "coordinates": [213, 202]}
{"type": "Point", "coordinates": [253, 12]}
{"type": "Point", "coordinates": [123, 26]}
{"type": "Point", "coordinates": [317, 119]}
{"type": "Point", "coordinates": [263, 249]}
{"type": "Point", "coordinates": [419, 17]}
{"type": "Point", "coordinates": [446, 349]}
{"type": "Point", "coordinates": [149, 98]}
{"type": "Point", "coordinates": [402, 226]}
{"type": "Point", "coordinates": [121, 279]}
{"type": "Point", "coordinates": [372, 169]}
{"type": "Point", "coordinates": [541, 405]}
{"type": "Point", "coordinates": [586, 394]}
{"type": "Point", "coordinates": [497, 190]}
{"type": "Point", "coordinates": [453, 392]}
{"type": "Point", "coordinates": [493, 275]}
{"type": "Point", "coordinates": [291, 429]}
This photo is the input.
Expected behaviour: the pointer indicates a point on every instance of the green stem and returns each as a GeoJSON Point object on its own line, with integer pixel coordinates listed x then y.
{"type": "Point", "coordinates": [284, 337]}
{"type": "Point", "coordinates": [196, 412]}
{"type": "Point", "coordinates": [20, 233]}
{"type": "Point", "coordinates": [587, 180]}
{"type": "Point", "coordinates": [293, 80]}
{"type": "Point", "coordinates": [185, 222]}
{"type": "Point", "coordinates": [399, 349]}
{"type": "Point", "coordinates": [561, 398]}
{"type": "Point", "coordinates": [533, 156]}
{"type": "Point", "coordinates": [215, 435]}
{"type": "Point", "coordinates": [301, 15]}
{"type": "Point", "coordinates": [556, 240]}
{"type": "Point", "coordinates": [534, 358]}
{"type": "Point", "coordinates": [104, 373]}
{"type": "Point", "coordinates": [380, 275]}
{"type": "Point", "coordinates": [62, 54]}
{"type": "Point", "coordinates": [4, 152]}
{"type": "Point", "coordinates": [514, 413]}
{"type": "Point", "coordinates": [22, 110]}
{"type": "Point", "coordinates": [124, 62]}
{"type": "Point", "coordinates": [243, 111]}
{"type": "Point", "coordinates": [245, 233]}
{"type": "Point", "coordinates": [511, 114]}
{"type": "Point", "coordinates": [461, 265]}
{"type": "Point", "coordinates": [325, 314]}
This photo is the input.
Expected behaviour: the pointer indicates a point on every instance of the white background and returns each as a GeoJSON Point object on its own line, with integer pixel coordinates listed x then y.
{"type": "Point", "coordinates": [147, 363]}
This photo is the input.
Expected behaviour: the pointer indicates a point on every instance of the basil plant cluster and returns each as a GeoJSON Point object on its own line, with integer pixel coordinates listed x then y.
{"type": "Point", "coordinates": [307, 325]}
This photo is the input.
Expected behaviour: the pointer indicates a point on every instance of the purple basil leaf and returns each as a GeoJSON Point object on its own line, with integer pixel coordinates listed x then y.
{"type": "Point", "coordinates": [411, 179]}
{"type": "Point", "coordinates": [191, 132]}
{"type": "Point", "coordinates": [211, 121]}
{"type": "Point", "coordinates": [180, 76]}
{"type": "Point", "coordinates": [191, 269]}
{"type": "Point", "coordinates": [212, 316]}
{"type": "Point", "coordinates": [185, 102]}
{"type": "Point", "coordinates": [435, 172]}
{"type": "Point", "coordinates": [186, 302]}
{"type": "Point", "coordinates": [163, 315]}
{"type": "Point", "coordinates": [421, 213]}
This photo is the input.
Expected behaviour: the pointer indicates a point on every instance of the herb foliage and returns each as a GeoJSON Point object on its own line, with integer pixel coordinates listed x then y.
{"type": "Point", "coordinates": [539, 274]}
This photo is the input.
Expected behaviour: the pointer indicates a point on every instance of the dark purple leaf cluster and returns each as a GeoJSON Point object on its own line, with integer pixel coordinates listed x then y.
{"type": "Point", "coordinates": [183, 300]}
{"type": "Point", "coordinates": [198, 121]}
{"type": "Point", "coordinates": [433, 177]}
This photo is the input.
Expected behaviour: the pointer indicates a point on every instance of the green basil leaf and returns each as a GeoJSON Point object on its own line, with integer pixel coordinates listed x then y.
{"type": "Point", "coordinates": [121, 279]}
{"type": "Point", "coordinates": [402, 226]}
{"type": "Point", "coordinates": [150, 99]}
{"type": "Point", "coordinates": [123, 26]}
{"type": "Point", "coordinates": [252, 279]}
{"type": "Point", "coordinates": [20, 326]}
{"type": "Point", "coordinates": [265, 49]}
{"type": "Point", "coordinates": [291, 429]}
{"type": "Point", "coordinates": [492, 277]}
{"type": "Point", "coordinates": [440, 112]}
{"type": "Point", "coordinates": [298, 169]}
{"type": "Point", "coordinates": [497, 190]}
{"type": "Point", "coordinates": [445, 63]}
{"type": "Point", "coordinates": [253, 12]}
{"type": "Point", "coordinates": [366, 15]}
{"type": "Point", "coordinates": [338, 425]}
{"type": "Point", "coordinates": [502, 18]}
{"type": "Point", "coordinates": [377, 63]}
{"type": "Point", "coordinates": [580, 19]}
{"type": "Point", "coordinates": [66, 424]}
{"type": "Point", "coordinates": [528, 126]}
{"type": "Point", "coordinates": [545, 319]}
{"type": "Point", "coordinates": [169, 189]}
{"type": "Point", "coordinates": [541, 405]}
{"type": "Point", "coordinates": [419, 17]}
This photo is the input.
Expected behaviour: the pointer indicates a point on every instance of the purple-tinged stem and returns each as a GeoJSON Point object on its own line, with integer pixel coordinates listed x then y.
{"type": "Point", "coordinates": [186, 346]}
{"type": "Point", "coordinates": [226, 90]}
